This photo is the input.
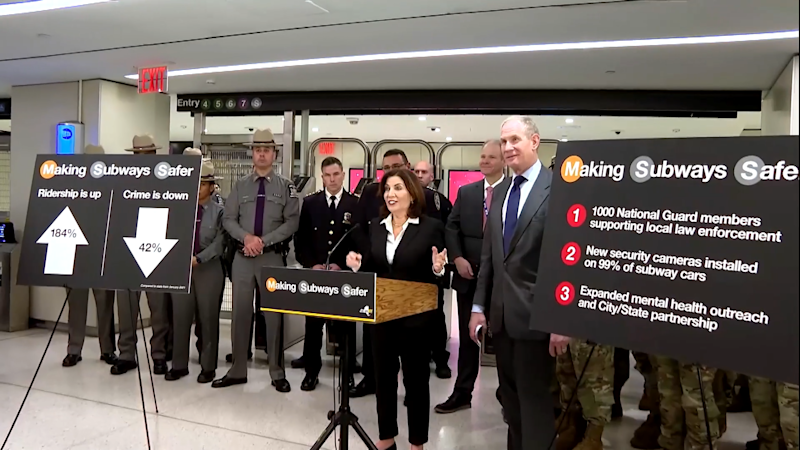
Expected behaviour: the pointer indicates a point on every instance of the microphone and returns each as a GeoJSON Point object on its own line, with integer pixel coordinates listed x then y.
{"type": "Point", "coordinates": [328, 259]}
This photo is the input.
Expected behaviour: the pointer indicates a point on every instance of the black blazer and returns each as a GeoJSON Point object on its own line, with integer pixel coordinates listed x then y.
{"type": "Point", "coordinates": [464, 231]}
{"type": "Point", "coordinates": [412, 259]}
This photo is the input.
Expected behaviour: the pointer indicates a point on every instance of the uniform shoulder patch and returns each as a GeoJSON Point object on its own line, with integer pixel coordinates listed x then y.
{"type": "Point", "coordinates": [437, 201]}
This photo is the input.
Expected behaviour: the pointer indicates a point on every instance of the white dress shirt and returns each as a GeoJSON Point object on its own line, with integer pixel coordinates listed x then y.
{"type": "Point", "coordinates": [337, 195]}
{"type": "Point", "coordinates": [486, 184]}
{"type": "Point", "coordinates": [393, 242]}
{"type": "Point", "coordinates": [524, 191]}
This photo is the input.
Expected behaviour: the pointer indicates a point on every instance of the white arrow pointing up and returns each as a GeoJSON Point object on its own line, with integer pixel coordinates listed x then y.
{"type": "Point", "coordinates": [150, 245]}
{"type": "Point", "coordinates": [62, 238]}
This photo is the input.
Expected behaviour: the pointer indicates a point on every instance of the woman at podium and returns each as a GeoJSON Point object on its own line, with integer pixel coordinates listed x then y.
{"type": "Point", "coordinates": [401, 245]}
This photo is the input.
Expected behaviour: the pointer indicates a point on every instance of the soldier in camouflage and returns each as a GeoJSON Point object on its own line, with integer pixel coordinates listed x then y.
{"type": "Point", "coordinates": [775, 411]}
{"type": "Point", "coordinates": [682, 405]}
{"type": "Point", "coordinates": [594, 395]}
{"type": "Point", "coordinates": [646, 436]}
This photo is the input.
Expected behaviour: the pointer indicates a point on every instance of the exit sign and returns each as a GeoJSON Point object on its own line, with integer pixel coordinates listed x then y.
{"type": "Point", "coordinates": [327, 148]}
{"type": "Point", "coordinates": [152, 79]}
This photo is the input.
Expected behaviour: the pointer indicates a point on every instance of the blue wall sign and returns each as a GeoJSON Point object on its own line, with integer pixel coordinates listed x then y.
{"type": "Point", "coordinates": [65, 139]}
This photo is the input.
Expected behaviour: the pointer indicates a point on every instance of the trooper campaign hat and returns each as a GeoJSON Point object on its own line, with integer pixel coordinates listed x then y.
{"type": "Point", "coordinates": [192, 151]}
{"type": "Point", "coordinates": [262, 138]}
{"type": "Point", "coordinates": [207, 172]}
{"type": "Point", "coordinates": [143, 143]}
{"type": "Point", "coordinates": [94, 150]}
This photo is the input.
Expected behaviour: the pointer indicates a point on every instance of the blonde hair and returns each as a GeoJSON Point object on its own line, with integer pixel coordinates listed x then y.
{"type": "Point", "coordinates": [526, 121]}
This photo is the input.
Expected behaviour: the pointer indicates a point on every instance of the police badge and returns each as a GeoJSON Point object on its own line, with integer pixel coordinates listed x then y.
{"type": "Point", "coordinates": [347, 217]}
{"type": "Point", "coordinates": [437, 201]}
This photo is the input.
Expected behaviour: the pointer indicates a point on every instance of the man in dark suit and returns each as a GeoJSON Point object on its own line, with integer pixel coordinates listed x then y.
{"type": "Point", "coordinates": [325, 217]}
{"type": "Point", "coordinates": [509, 267]}
{"type": "Point", "coordinates": [369, 207]}
{"type": "Point", "coordinates": [464, 235]}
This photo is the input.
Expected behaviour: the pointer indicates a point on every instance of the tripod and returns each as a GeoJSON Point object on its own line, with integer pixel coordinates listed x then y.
{"type": "Point", "coordinates": [344, 418]}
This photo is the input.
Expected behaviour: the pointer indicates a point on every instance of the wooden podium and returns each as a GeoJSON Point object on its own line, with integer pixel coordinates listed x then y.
{"type": "Point", "coordinates": [347, 296]}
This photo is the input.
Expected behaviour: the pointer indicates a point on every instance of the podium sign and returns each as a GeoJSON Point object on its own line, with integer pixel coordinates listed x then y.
{"type": "Point", "coordinates": [337, 295]}
{"type": "Point", "coordinates": [686, 248]}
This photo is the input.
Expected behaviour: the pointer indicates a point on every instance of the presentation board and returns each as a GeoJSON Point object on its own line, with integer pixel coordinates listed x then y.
{"type": "Point", "coordinates": [685, 248]}
{"type": "Point", "coordinates": [111, 222]}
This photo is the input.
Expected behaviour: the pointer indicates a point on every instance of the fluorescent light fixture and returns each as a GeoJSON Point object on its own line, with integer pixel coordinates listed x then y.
{"type": "Point", "coordinates": [448, 139]}
{"type": "Point", "coordinates": [570, 120]}
{"type": "Point", "coordinates": [658, 42]}
{"type": "Point", "coordinates": [12, 9]}
{"type": "Point", "coordinates": [423, 118]}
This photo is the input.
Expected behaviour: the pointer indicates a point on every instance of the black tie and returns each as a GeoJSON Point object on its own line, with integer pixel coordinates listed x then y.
{"type": "Point", "coordinates": [333, 206]}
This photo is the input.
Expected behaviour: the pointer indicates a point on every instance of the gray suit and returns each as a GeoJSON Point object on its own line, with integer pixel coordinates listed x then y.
{"type": "Point", "coordinates": [208, 283]}
{"type": "Point", "coordinates": [281, 218]}
{"type": "Point", "coordinates": [78, 307]}
{"type": "Point", "coordinates": [128, 306]}
{"type": "Point", "coordinates": [524, 364]}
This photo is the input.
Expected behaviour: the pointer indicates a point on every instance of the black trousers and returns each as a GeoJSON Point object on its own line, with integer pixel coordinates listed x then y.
{"type": "Point", "coordinates": [439, 353]}
{"type": "Point", "coordinates": [312, 345]}
{"type": "Point", "coordinates": [526, 370]}
{"type": "Point", "coordinates": [469, 354]}
{"type": "Point", "coordinates": [395, 344]}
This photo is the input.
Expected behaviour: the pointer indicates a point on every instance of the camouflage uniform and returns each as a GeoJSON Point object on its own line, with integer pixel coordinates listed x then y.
{"type": "Point", "coordinates": [646, 436]}
{"type": "Point", "coordinates": [595, 394]}
{"type": "Point", "coordinates": [682, 407]}
{"type": "Point", "coordinates": [775, 412]}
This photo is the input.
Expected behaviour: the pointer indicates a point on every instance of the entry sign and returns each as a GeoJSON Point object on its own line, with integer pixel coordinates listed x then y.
{"type": "Point", "coordinates": [111, 222]}
{"type": "Point", "coordinates": [153, 79]}
{"type": "Point", "coordinates": [338, 295]}
{"type": "Point", "coordinates": [686, 248]}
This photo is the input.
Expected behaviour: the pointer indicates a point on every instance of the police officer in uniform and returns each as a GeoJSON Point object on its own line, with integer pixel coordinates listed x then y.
{"type": "Point", "coordinates": [369, 204]}
{"type": "Point", "coordinates": [128, 305]}
{"type": "Point", "coordinates": [208, 282]}
{"type": "Point", "coordinates": [78, 308]}
{"type": "Point", "coordinates": [325, 217]}
{"type": "Point", "coordinates": [261, 212]}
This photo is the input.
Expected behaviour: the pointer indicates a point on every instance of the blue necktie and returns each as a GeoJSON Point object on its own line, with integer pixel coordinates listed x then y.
{"type": "Point", "coordinates": [511, 213]}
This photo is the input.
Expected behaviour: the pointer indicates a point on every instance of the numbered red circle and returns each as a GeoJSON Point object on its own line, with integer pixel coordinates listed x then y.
{"type": "Point", "coordinates": [565, 293]}
{"type": "Point", "coordinates": [576, 215]}
{"type": "Point", "coordinates": [571, 254]}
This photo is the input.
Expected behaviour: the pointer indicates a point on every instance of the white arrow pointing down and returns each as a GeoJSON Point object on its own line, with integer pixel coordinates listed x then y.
{"type": "Point", "coordinates": [150, 245]}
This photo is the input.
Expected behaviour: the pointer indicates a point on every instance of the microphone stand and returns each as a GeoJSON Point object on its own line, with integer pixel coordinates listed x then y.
{"type": "Point", "coordinates": [344, 417]}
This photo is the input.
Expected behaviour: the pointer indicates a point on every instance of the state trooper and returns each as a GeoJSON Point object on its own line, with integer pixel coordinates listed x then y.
{"type": "Point", "coordinates": [261, 212]}
{"type": "Point", "coordinates": [128, 305]}
{"type": "Point", "coordinates": [78, 308]}
{"type": "Point", "coordinates": [325, 217]}
{"type": "Point", "coordinates": [208, 283]}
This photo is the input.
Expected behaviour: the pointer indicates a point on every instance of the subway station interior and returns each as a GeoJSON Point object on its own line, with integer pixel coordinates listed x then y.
{"type": "Point", "coordinates": [349, 79]}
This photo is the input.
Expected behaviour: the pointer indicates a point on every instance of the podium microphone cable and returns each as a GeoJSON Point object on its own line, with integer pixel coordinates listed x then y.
{"type": "Point", "coordinates": [571, 397]}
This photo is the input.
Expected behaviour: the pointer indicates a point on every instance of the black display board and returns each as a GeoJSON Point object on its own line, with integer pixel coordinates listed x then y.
{"type": "Point", "coordinates": [339, 295]}
{"type": "Point", "coordinates": [111, 222]}
{"type": "Point", "coordinates": [679, 247]}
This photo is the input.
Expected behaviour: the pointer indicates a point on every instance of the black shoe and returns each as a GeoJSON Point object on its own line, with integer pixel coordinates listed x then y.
{"type": "Point", "coordinates": [357, 368]}
{"type": "Point", "coordinates": [71, 360]}
{"type": "Point", "coordinates": [616, 411]}
{"type": "Point", "coordinates": [229, 357]}
{"type": "Point", "coordinates": [299, 363]}
{"type": "Point", "coordinates": [453, 404]}
{"type": "Point", "coordinates": [160, 367]}
{"type": "Point", "coordinates": [173, 374]}
{"type": "Point", "coordinates": [206, 377]}
{"type": "Point", "coordinates": [282, 385]}
{"type": "Point", "coordinates": [443, 372]}
{"type": "Point", "coordinates": [362, 390]}
{"type": "Point", "coordinates": [227, 381]}
{"type": "Point", "coordinates": [122, 366]}
{"type": "Point", "coordinates": [109, 358]}
{"type": "Point", "coordinates": [309, 383]}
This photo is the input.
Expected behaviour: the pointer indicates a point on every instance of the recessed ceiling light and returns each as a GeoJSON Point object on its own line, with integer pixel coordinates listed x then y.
{"type": "Point", "coordinates": [423, 118]}
{"type": "Point", "coordinates": [589, 45]}
{"type": "Point", "coordinates": [315, 129]}
{"type": "Point", "coordinates": [563, 139]}
{"type": "Point", "coordinates": [448, 138]}
{"type": "Point", "coordinates": [436, 129]}
{"type": "Point", "coordinates": [570, 120]}
{"type": "Point", "coordinates": [11, 9]}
